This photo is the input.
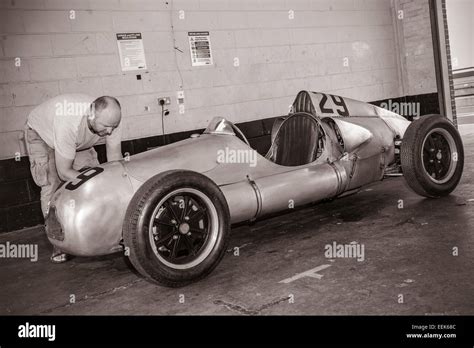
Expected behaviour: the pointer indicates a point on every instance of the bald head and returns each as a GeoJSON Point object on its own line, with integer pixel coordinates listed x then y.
{"type": "Point", "coordinates": [105, 115]}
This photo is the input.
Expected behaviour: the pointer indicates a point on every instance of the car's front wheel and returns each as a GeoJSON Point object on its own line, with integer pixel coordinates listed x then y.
{"type": "Point", "coordinates": [432, 156]}
{"type": "Point", "coordinates": [176, 227]}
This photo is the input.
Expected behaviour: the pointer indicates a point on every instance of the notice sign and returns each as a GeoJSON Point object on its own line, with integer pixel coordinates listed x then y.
{"type": "Point", "coordinates": [132, 54]}
{"type": "Point", "coordinates": [200, 47]}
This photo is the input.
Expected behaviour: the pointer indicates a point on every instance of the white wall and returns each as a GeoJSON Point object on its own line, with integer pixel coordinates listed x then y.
{"type": "Point", "coordinates": [278, 57]}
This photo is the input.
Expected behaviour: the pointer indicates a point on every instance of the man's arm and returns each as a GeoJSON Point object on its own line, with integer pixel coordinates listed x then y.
{"type": "Point", "coordinates": [64, 136]}
{"type": "Point", "coordinates": [64, 167]}
{"type": "Point", "coordinates": [114, 151]}
{"type": "Point", "coordinates": [113, 144]}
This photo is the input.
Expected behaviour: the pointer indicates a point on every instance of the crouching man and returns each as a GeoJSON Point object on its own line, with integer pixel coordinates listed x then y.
{"type": "Point", "coordinates": [59, 136]}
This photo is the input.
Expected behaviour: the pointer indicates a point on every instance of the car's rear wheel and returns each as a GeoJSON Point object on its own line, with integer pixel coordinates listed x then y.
{"type": "Point", "coordinates": [432, 156]}
{"type": "Point", "coordinates": [176, 227]}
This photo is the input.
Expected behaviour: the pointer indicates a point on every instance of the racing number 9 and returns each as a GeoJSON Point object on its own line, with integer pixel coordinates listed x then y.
{"type": "Point", "coordinates": [338, 102]}
{"type": "Point", "coordinates": [83, 177]}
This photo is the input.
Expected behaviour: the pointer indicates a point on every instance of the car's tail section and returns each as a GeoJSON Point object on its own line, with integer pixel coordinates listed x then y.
{"type": "Point", "coordinates": [323, 105]}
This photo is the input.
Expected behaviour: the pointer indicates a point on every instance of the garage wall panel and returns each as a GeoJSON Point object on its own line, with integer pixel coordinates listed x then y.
{"type": "Point", "coordinates": [11, 22]}
{"type": "Point", "coordinates": [417, 66]}
{"type": "Point", "coordinates": [14, 117]}
{"type": "Point", "coordinates": [99, 65]}
{"type": "Point", "coordinates": [10, 72]}
{"type": "Point", "coordinates": [141, 21]}
{"type": "Point", "coordinates": [23, 4]}
{"type": "Point", "coordinates": [31, 94]}
{"type": "Point", "coordinates": [73, 44]}
{"type": "Point", "coordinates": [6, 98]}
{"type": "Point", "coordinates": [27, 46]}
{"type": "Point", "coordinates": [51, 69]}
{"type": "Point", "coordinates": [45, 21]}
{"type": "Point", "coordinates": [89, 85]}
{"type": "Point", "coordinates": [88, 21]}
{"type": "Point", "coordinates": [106, 43]}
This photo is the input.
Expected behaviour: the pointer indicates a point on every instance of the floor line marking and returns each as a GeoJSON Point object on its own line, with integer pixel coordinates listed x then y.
{"type": "Point", "coordinates": [311, 273]}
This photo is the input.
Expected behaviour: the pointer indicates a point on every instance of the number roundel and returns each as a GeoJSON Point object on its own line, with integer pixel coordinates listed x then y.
{"type": "Point", "coordinates": [337, 101]}
{"type": "Point", "coordinates": [83, 177]}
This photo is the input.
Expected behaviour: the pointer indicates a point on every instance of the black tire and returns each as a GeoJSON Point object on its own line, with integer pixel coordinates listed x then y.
{"type": "Point", "coordinates": [179, 259]}
{"type": "Point", "coordinates": [432, 156]}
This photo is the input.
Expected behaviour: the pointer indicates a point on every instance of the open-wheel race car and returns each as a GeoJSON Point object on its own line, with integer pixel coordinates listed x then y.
{"type": "Point", "coordinates": [171, 208]}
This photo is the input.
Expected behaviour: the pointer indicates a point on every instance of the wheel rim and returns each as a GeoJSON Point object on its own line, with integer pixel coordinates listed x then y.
{"type": "Point", "coordinates": [183, 229]}
{"type": "Point", "coordinates": [438, 157]}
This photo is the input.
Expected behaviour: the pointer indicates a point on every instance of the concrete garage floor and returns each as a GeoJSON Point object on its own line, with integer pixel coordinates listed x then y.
{"type": "Point", "coordinates": [407, 251]}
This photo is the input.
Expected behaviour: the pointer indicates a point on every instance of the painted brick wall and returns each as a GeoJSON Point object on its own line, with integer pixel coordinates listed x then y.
{"type": "Point", "coordinates": [278, 57]}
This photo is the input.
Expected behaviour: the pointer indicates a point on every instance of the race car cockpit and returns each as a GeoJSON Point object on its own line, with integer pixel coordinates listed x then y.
{"type": "Point", "coordinates": [297, 141]}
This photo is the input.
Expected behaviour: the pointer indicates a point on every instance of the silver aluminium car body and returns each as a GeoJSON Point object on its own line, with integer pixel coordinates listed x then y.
{"type": "Point", "coordinates": [86, 215]}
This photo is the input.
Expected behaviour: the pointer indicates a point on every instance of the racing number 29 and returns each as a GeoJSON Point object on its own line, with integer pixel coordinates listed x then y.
{"type": "Point", "coordinates": [338, 101]}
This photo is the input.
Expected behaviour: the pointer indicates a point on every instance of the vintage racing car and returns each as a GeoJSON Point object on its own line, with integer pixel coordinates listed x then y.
{"type": "Point", "coordinates": [171, 208]}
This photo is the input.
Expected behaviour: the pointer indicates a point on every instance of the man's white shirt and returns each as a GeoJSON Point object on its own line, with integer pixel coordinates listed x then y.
{"type": "Point", "coordinates": [62, 124]}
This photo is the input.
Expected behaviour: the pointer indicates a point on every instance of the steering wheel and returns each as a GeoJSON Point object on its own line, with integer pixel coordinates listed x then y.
{"type": "Point", "coordinates": [240, 135]}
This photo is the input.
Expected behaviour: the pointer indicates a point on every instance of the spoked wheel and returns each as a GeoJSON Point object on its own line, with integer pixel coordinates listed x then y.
{"type": "Point", "coordinates": [432, 156]}
{"type": "Point", "coordinates": [177, 227]}
{"type": "Point", "coordinates": [438, 159]}
{"type": "Point", "coordinates": [184, 228]}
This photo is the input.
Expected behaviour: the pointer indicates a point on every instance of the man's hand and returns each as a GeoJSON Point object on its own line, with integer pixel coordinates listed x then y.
{"type": "Point", "coordinates": [64, 167]}
{"type": "Point", "coordinates": [83, 169]}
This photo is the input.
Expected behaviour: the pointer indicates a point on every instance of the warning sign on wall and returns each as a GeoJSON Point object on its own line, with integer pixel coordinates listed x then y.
{"type": "Point", "coordinates": [200, 47]}
{"type": "Point", "coordinates": [132, 54]}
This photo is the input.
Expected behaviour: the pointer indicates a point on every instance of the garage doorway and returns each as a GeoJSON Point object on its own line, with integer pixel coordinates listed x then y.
{"type": "Point", "coordinates": [461, 39]}
{"type": "Point", "coordinates": [453, 44]}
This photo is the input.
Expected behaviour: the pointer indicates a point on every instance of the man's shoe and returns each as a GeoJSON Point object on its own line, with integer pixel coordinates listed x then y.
{"type": "Point", "coordinates": [58, 256]}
